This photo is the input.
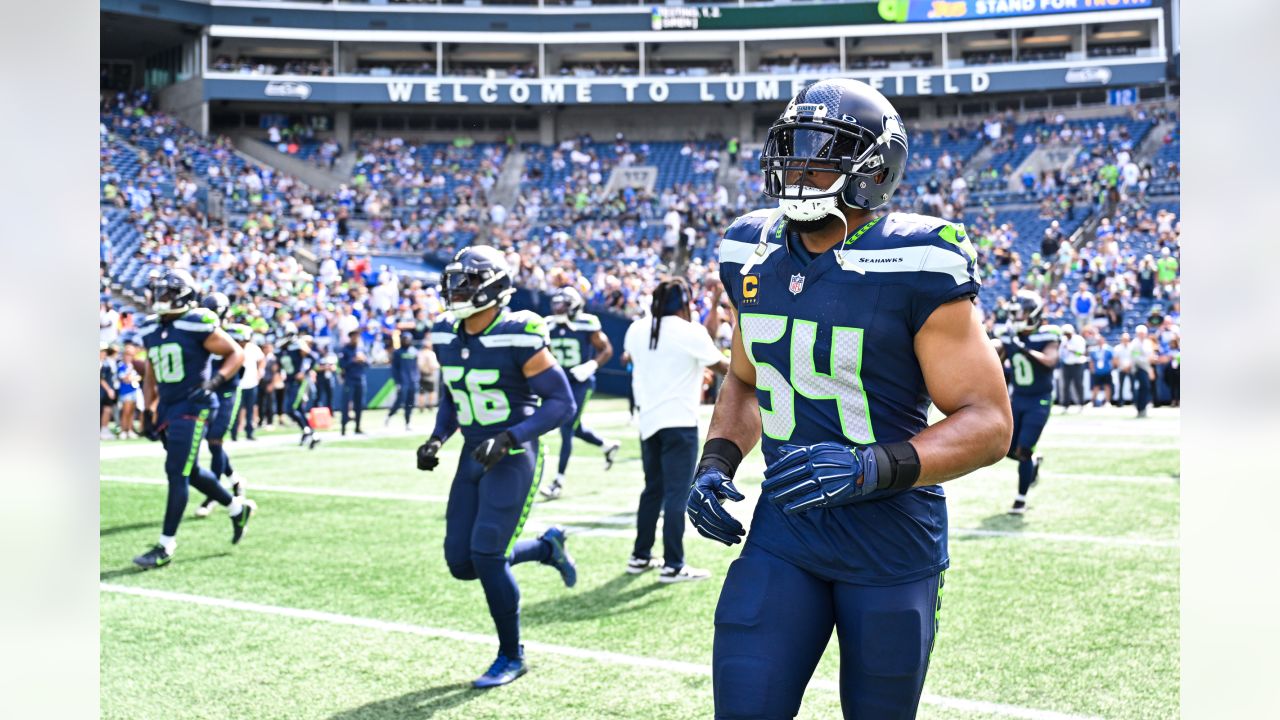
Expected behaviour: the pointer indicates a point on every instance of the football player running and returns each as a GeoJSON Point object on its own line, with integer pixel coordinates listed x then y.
{"type": "Point", "coordinates": [228, 402]}
{"type": "Point", "coordinates": [296, 361]}
{"type": "Point", "coordinates": [495, 366]}
{"type": "Point", "coordinates": [180, 392]}
{"type": "Point", "coordinates": [1032, 352]}
{"type": "Point", "coordinates": [580, 347]}
{"type": "Point", "coordinates": [849, 325]}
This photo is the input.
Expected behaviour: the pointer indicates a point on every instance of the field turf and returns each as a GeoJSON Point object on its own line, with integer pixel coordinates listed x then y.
{"type": "Point", "coordinates": [338, 603]}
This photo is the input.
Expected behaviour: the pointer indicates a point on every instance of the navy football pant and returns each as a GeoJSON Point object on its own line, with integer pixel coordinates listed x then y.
{"type": "Point", "coordinates": [1029, 418]}
{"type": "Point", "coordinates": [773, 623]}
{"type": "Point", "coordinates": [483, 520]}
{"type": "Point", "coordinates": [406, 398]}
{"type": "Point", "coordinates": [669, 457]}
{"type": "Point", "coordinates": [569, 431]}
{"type": "Point", "coordinates": [248, 401]}
{"type": "Point", "coordinates": [183, 432]}
{"type": "Point", "coordinates": [295, 401]}
{"type": "Point", "coordinates": [353, 400]}
{"type": "Point", "coordinates": [219, 424]}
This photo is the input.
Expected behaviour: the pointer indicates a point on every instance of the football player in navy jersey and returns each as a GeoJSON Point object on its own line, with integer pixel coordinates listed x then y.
{"type": "Point", "coordinates": [580, 347]}
{"type": "Point", "coordinates": [181, 392]}
{"type": "Point", "coordinates": [354, 364]}
{"type": "Point", "coordinates": [504, 390]}
{"type": "Point", "coordinates": [405, 372]}
{"type": "Point", "coordinates": [296, 361]}
{"type": "Point", "coordinates": [849, 325]}
{"type": "Point", "coordinates": [1032, 352]}
{"type": "Point", "coordinates": [228, 403]}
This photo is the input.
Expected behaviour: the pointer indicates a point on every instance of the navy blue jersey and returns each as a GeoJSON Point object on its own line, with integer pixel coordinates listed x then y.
{"type": "Point", "coordinates": [484, 373]}
{"type": "Point", "coordinates": [833, 349]}
{"type": "Point", "coordinates": [1030, 378]}
{"type": "Point", "coordinates": [571, 339]}
{"type": "Point", "coordinates": [352, 371]}
{"type": "Point", "coordinates": [175, 350]}
{"type": "Point", "coordinates": [215, 365]}
{"type": "Point", "coordinates": [406, 358]}
{"type": "Point", "coordinates": [295, 359]}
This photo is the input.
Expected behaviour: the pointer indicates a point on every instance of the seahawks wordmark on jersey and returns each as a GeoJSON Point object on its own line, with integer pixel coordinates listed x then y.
{"type": "Point", "coordinates": [832, 342]}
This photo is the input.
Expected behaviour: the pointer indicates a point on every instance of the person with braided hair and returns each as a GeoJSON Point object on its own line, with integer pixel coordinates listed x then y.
{"type": "Point", "coordinates": [669, 352]}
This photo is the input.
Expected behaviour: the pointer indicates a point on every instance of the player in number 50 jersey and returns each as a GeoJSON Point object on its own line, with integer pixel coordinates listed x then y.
{"type": "Point", "coordinates": [495, 367]}
{"type": "Point", "coordinates": [849, 326]}
{"type": "Point", "coordinates": [1032, 352]}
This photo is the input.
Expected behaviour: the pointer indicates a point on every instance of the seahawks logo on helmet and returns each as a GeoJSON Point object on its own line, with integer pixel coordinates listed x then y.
{"type": "Point", "coordinates": [173, 291]}
{"type": "Point", "coordinates": [476, 280]}
{"type": "Point", "coordinates": [567, 302]}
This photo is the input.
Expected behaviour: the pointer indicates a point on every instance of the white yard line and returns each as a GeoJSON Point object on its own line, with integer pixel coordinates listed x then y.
{"type": "Point", "coordinates": [600, 656]}
{"type": "Point", "coordinates": [564, 513]}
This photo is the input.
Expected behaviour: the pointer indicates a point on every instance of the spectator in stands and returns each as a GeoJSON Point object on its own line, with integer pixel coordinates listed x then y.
{"type": "Point", "coordinates": [1166, 271]}
{"type": "Point", "coordinates": [1083, 305]}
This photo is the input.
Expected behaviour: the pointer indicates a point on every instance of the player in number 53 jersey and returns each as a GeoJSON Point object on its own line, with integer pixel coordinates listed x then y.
{"type": "Point", "coordinates": [1032, 352]}
{"type": "Point", "coordinates": [849, 325]}
{"type": "Point", "coordinates": [580, 347]}
{"type": "Point", "coordinates": [503, 389]}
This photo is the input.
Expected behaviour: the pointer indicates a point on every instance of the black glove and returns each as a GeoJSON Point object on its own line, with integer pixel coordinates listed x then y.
{"type": "Point", "coordinates": [149, 429]}
{"type": "Point", "coordinates": [491, 451]}
{"type": "Point", "coordinates": [207, 388]}
{"type": "Point", "coordinates": [427, 459]}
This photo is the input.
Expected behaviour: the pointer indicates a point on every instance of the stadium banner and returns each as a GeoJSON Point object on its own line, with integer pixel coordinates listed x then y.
{"type": "Point", "coordinates": [632, 91]}
{"type": "Point", "coordinates": [934, 10]}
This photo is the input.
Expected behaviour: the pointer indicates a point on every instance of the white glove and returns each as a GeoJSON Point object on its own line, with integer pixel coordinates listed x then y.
{"type": "Point", "coordinates": [583, 372]}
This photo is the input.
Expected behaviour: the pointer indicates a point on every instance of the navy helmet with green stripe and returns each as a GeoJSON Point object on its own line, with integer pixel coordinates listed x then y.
{"type": "Point", "coordinates": [217, 302]}
{"type": "Point", "coordinates": [173, 292]}
{"type": "Point", "coordinates": [477, 279]}
{"type": "Point", "coordinates": [567, 302]}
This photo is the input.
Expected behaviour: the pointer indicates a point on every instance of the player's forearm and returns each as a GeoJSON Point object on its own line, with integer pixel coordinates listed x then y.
{"type": "Point", "coordinates": [446, 418]}
{"type": "Point", "coordinates": [972, 437]}
{"type": "Point", "coordinates": [557, 405]}
{"type": "Point", "coordinates": [737, 414]}
{"type": "Point", "coordinates": [604, 354]}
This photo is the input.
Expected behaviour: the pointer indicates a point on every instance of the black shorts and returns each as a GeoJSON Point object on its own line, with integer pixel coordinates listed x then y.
{"type": "Point", "coordinates": [1100, 380]}
{"type": "Point", "coordinates": [104, 401]}
{"type": "Point", "coordinates": [426, 386]}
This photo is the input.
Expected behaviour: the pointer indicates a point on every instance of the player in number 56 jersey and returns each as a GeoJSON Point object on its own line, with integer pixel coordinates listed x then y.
{"type": "Point", "coordinates": [1032, 352]}
{"type": "Point", "coordinates": [849, 326]}
{"type": "Point", "coordinates": [495, 367]}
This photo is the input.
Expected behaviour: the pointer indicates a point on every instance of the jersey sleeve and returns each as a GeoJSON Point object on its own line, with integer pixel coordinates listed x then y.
{"type": "Point", "coordinates": [199, 320]}
{"type": "Point", "coordinates": [739, 243]}
{"type": "Point", "coordinates": [948, 271]}
{"type": "Point", "coordinates": [587, 322]}
{"type": "Point", "coordinates": [526, 333]}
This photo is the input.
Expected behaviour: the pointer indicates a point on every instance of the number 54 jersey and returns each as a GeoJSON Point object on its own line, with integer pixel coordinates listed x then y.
{"type": "Point", "coordinates": [484, 373]}
{"type": "Point", "coordinates": [833, 349]}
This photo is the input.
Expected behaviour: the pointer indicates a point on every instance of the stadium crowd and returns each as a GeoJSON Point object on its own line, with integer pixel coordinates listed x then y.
{"type": "Point", "coordinates": [567, 227]}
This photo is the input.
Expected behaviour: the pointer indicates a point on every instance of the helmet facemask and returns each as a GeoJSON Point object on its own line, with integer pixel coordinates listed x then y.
{"type": "Point", "coordinates": [470, 291]}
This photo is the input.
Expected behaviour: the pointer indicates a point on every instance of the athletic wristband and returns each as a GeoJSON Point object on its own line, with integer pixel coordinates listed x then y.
{"type": "Point", "coordinates": [897, 465]}
{"type": "Point", "coordinates": [721, 454]}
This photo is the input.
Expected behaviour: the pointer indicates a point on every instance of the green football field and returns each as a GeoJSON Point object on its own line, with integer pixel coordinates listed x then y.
{"type": "Point", "coordinates": [338, 603]}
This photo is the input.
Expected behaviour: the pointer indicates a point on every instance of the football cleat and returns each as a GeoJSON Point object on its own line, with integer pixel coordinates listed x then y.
{"type": "Point", "coordinates": [1019, 507]}
{"type": "Point", "coordinates": [306, 435]}
{"type": "Point", "coordinates": [611, 448]}
{"type": "Point", "coordinates": [315, 440]}
{"type": "Point", "coordinates": [153, 558]}
{"type": "Point", "coordinates": [205, 508]}
{"type": "Point", "coordinates": [503, 671]}
{"type": "Point", "coordinates": [239, 522]}
{"type": "Point", "coordinates": [1037, 461]}
{"type": "Point", "coordinates": [682, 574]}
{"type": "Point", "coordinates": [552, 491]}
{"type": "Point", "coordinates": [560, 558]}
{"type": "Point", "coordinates": [637, 565]}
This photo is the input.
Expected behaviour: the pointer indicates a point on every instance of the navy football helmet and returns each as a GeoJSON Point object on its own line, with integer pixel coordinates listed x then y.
{"type": "Point", "coordinates": [849, 136]}
{"type": "Point", "coordinates": [173, 291]}
{"type": "Point", "coordinates": [477, 279]}
{"type": "Point", "coordinates": [567, 302]}
{"type": "Point", "coordinates": [1025, 311]}
{"type": "Point", "coordinates": [217, 302]}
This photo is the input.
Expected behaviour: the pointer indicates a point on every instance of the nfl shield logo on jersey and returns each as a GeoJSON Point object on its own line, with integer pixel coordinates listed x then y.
{"type": "Point", "coordinates": [797, 284]}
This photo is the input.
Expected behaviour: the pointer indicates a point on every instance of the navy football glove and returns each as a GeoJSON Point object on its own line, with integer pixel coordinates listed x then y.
{"type": "Point", "coordinates": [711, 487]}
{"type": "Point", "coordinates": [427, 451]}
{"type": "Point", "coordinates": [817, 476]}
{"type": "Point", "coordinates": [491, 451]}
